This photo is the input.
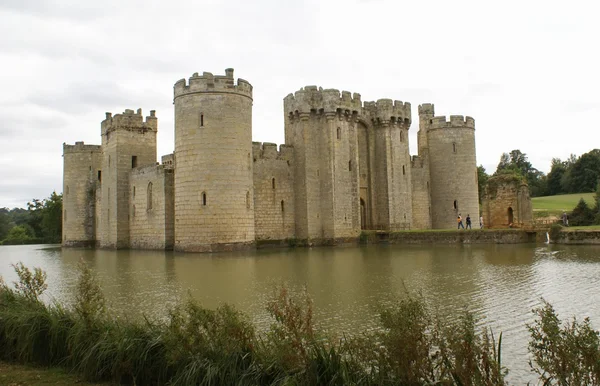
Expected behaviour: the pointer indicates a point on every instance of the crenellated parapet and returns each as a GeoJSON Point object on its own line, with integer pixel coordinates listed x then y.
{"type": "Point", "coordinates": [331, 102]}
{"type": "Point", "coordinates": [80, 147]}
{"type": "Point", "coordinates": [269, 150]}
{"type": "Point", "coordinates": [311, 99]}
{"type": "Point", "coordinates": [131, 121]}
{"type": "Point", "coordinates": [209, 83]}
{"type": "Point", "coordinates": [455, 121]}
{"type": "Point", "coordinates": [152, 169]}
{"type": "Point", "coordinates": [427, 109]}
{"type": "Point", "coordinates": [168, 161]}
{"type": "Point", "coordinates": [387, 111]}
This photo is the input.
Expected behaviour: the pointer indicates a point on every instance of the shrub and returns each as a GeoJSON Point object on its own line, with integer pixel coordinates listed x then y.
{"type": "Point", "coordinates": [554, 232]}
{"type": "Point", "coordinates": [565, 354]}
{"type": "Point", "coordinates": [582, 214]}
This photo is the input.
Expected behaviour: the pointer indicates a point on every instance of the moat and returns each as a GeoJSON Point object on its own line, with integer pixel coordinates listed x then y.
{"type": "Point", "coordinates": [500, 283]}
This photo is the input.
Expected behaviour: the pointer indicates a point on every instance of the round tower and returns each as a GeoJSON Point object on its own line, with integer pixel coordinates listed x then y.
{"type": "Point", "coordinates": [81, 162]}
{"type": "Point", "coordinates": [214, 205]}
{"type": "Point", "coordinates": [453, 170]}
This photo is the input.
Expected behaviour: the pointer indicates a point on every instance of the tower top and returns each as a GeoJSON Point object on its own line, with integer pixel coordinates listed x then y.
{"type": "Point", "coordinates": [318, 100]}
{"type": "Point", "coordinates": [209, 83]}
{"type": "Point", "coordinates": [130, 120]}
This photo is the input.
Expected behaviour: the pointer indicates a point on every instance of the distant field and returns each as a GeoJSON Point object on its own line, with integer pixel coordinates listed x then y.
{"type": "Point", "coordinates": [557, 204]}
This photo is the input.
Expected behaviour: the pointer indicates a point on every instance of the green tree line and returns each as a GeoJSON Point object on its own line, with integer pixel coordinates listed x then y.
{"type": "Point", "coordinates": [40, 223]}
{"type": "Point", "coordinates": [574, 175]}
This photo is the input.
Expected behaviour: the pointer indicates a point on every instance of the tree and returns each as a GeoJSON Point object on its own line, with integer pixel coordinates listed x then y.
{"type": "Point", "coordinates": [517, 163]}
{"type": "Point", "coordinates": [554, 178]}
{"type": "Point", "coordinates": [19, 234]}
{"type": "Point", "coordinates": [5, 223]}
{"type": "Point", "coordinates": [51, 223]}
{"type": "Point", "coordinates": [42, 220]}
{"type": "Point", "coordinates": [585, 172]}
{"type": "Point", "coordinates": [482, 178]}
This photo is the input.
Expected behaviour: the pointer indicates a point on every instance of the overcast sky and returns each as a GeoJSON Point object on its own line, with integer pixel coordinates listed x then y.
{"type": "Point", "coordinates": [527, 71]}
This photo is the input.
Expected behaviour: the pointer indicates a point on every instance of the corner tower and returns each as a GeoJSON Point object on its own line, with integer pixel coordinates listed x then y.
{"type": "Point", "coordinates": [450, 146]}
{"type": "Point", "coordinates": [128, 141]}
{"type": "Point", "coordinates": [213, 159]}
{"type": "Point", "coordinates": [81, 163]}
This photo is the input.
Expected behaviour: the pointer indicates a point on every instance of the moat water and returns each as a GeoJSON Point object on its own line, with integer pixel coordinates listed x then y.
{"type": "Point", "coordinates": [500, 283]}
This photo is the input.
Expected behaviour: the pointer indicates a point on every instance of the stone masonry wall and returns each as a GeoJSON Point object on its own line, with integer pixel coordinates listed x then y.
{"type": "Point", "coordinates": [453, 170]}
{"type": "Point", "coordinates": [213, 163]}
{"type": "Point", "coordinates": [273, 201]}
{"type": "Point", "coordinates": [151, 212]}
{"type": "Point", "coordinates": [504, 196]}
{"type": "Point", "coordinates": [80, 163]}
{"type": "Point", "coordinates": [421, 201]}
{"type": "Point", "coordinates": [127, 141]}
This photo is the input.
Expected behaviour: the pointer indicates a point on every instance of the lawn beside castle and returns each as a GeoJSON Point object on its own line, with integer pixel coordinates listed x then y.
{"type": "Point", "coordinates": [556, 205]}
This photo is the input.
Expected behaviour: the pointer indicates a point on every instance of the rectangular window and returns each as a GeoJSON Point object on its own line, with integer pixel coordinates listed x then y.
{"type": "Point", "coordinates": [133, 161]}
{"type": "Point", "coordinates": [99, 175]}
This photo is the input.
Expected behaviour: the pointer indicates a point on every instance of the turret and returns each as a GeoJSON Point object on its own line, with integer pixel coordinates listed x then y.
{"type": "Point", "coordinates": [452, 164]}
{"type": "Point", "coordinates": [213, 152]}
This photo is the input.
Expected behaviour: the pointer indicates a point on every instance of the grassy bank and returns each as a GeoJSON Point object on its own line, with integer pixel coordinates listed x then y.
{"type": "Point", "coordinates": [197, 346]}
{"type": "Point", "coordinates": [555, 205]}
{"type": "Point", "coordinates": [21, 375]}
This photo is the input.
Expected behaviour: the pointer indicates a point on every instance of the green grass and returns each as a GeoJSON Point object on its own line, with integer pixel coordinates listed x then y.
{"type": "Point", "coordinates": [14, 374]}
{"type": "Point", "coordinates": [584, 228]}
{"type": "Point", "coordinates": [555, 205]}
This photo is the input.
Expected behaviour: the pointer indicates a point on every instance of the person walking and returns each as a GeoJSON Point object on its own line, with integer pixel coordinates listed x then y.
{"type": "Point", "coordinates": [469, 221]}
{"type": "Point", "coordinates": [480, 222]}
{"type": "Point", "coordinates": [565, 219]}
{"type": "Point", "coordinates": [460, 223]}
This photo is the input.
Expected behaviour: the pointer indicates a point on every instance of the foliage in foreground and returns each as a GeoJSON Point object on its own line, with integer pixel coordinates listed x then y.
{"type": "Point", "coordinates": [195, 345]}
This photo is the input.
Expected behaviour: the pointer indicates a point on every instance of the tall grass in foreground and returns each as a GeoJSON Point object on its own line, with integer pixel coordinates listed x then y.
{"type": "Point", "coordinates": [197, 346]}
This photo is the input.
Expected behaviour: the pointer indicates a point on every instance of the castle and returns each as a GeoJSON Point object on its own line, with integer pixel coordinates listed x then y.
{"type": "Point", "coordinates": [345, 166]}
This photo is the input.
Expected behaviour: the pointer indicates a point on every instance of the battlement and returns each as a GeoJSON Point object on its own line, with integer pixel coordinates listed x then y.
{"type": "Point", "coordinates": [269, 150]}
{"type": "Point", "coordinates": [209, 83]}
{"type": "Point", "coordinates": [130, 120]}
{"type": "Point", "coordinates": [151, 169]}
{"type": "Point", "coordinates": [80, 147]}
{"type": "Point", "coordinates": [456, 121]}
{"type": "Point", "coordinates": [168, 161]}
{"type": "Point", "coordinates": [311, 98]}
{"type": "Point", "coordinates": [427, 109]}
{"type": "Point", "coordinates": [386, 110]}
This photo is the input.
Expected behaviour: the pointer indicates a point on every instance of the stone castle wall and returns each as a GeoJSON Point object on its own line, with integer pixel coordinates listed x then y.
{"type": "Point", "coordinates": [506, 202]}
{"type": "Point", "coordinates": [127, 141]}
{"type": "Point", "coordinates": [213, 160]}
{"type": "Point", "coordinates": [273, 201]}
{"type": "Point", "coordinates": [152, 213]}
{"type": "Point", "coordinates": [346, 166]}
{"type": "Point", "coordinates": [452, 167]}
{"type": "Point", "coordinates": [80, 165]}
{"type": "Point", "coordinates": [421, 200]}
